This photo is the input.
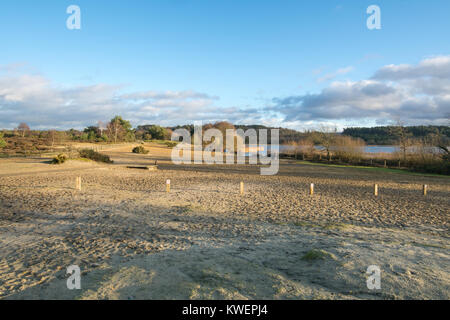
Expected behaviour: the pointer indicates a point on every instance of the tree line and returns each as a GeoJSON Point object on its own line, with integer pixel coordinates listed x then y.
{"type": "Point", "coordinates": [424, 148]}
{"type": "Point", "coordinates": [121, 130]}
{"type": "Point", "coordinates": [116, 130]}
{"type": "Point", "coordinates": [384, 136]}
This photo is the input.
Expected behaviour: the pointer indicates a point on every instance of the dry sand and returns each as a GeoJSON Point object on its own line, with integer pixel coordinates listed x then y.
{"type": "Point", "coordinates": [205, 241]}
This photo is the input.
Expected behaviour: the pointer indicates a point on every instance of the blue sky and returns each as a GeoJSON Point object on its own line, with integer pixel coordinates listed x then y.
{"type": "Point", "coordinates": [287, 63]}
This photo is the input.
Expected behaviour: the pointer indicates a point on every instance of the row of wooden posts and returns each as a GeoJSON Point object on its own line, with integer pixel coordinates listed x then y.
{"type": "Point", "coordinates": [241, 187]}
{"type": "Point", "coordinates": [311, 188]}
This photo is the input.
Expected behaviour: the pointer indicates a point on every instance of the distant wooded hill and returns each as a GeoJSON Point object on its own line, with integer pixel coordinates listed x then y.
{"type": "Point", "coordinates": [286, 135]}
{"type": "Point", "coordinates": [383, 136]}
{"type": "Point", "coordinates": [119, 130]}
{"type": "Point", "coordinates": [375, 135]}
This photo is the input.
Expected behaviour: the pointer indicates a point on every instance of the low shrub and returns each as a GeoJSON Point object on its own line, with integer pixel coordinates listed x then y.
{"type": "Point", "coordinates": [93, 155]}
{"type": "Point", "coordinates": [140, 150]}
{"type": "Point", "coordinates": [2, 141]}
{"type": "Point", "coordinates": [171, 144]}
{"type": "Point", "coordinates": [437, 167]}
{"type": "Point", "coordinates": [59, 159]}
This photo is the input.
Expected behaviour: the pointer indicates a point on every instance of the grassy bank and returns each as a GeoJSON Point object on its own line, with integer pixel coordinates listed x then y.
{"type": "Point", "coordinates": [375, 169]}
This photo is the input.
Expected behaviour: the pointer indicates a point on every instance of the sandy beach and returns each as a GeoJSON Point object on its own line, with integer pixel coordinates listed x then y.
{"type": "Point", "coordinates": [204, 240]}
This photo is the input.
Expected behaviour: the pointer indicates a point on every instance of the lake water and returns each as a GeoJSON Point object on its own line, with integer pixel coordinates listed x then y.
{"type": "Point", "coordinates": [371, 149]}
{"type": "Point", "coordinates": [367, 149]}
{"type": "Point", "coordinates": [381, 149]}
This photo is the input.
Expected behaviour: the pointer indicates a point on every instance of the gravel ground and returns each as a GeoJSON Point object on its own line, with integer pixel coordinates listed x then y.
{"type": "Point", "coordinates": [204, 240]}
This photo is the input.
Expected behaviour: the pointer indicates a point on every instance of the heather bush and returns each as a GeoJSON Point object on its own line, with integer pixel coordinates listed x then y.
{"type": "Point", "coordinates": [140, 150]}
{"type": "Point", "coordinates": [2, 141]}
{"type": "Point", "coordinates": [93, 155]}
{"type": "Point", "coordinates": [59, 159]}
{"type": "Point", "coordinates": [171, 144]}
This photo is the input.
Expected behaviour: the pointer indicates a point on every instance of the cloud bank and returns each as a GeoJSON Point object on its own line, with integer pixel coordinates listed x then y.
{"type": "Point", "coordinates": [416, 94]}
{"type": "Point", "coordinates": [35, 100]}
{"type": "Point", "coordinates": [413, 93]}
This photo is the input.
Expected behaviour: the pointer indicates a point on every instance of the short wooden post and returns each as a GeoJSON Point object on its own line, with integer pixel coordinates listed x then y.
{"type": "Point", "coordinates": [168, 185]}
{"type": "Point", "coordinates": [425, 189]}
{"type": "Point", "coordinates": [385, 164]}
{"type": "Point", "coordinates": [242, 188]}
{"type": "Point", "coordinates": [399, 163]}
{"type": "Point", "coordinates": [375, 190]}
{"type": "Point", "coordinates": [371, 162]}
{"type": "Point", "coordinates": [311, 189]}
{"type": "Point", "coordinates": [78, 183]}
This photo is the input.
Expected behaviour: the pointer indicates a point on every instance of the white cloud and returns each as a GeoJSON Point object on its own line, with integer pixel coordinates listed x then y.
{"type": "Point", "coordinates": [37, 101]}
{"type": "Point", "coordinates": [339, 72]}
{"type": "Point", "coordinates": [436, 67]}
{"type": "Point", "coordinates": [415, 93]}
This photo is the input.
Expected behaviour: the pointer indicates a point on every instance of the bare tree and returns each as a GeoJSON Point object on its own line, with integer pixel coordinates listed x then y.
{"type": "Point", "coordinates": [293, 148]}
{"type": "Point", "coordinates": [441, 142]}
{"type": "Point", "coordinates": [51, 137]}
{"type": "Point", "coordinates": [349, 148]}
{"type": "Point", "coordinates": [223, 126]}
{"type": "Point", "coordinates": [115, 129]}
{"type": "Point", "coordinates": [326, 136]}
{"type": "Point", "coordinates": [23, 128]}
{"type": "Point", "coordinates": [307, 146]}
{"type": "Point", "coordinates": [401, 133]}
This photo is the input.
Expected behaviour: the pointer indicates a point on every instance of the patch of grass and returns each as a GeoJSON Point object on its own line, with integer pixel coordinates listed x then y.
{"type": "Point", "coordinates": [186, 208]}
{"type": "Point", "coordinates": [212, 277]}
{"type": "Point", "coordinates": [328, 226]}
{"type": "Point", "coordinates": [429, 245]}
{"type": "Point", "coordinates": [375, 169]}
{"type": "Point", "coordinates": [80, 159]}
{"type": "Point", "coordinates": [167, 143]}
{"type": "Point", "coordinates": [305, 224]}
{"type": "Point", "coordinates": [314, 254]}
{"type": "Point", "coordinates": [336, 226]}
{"type": "Point", "coordinates": [162, 142]}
